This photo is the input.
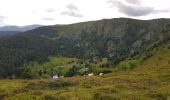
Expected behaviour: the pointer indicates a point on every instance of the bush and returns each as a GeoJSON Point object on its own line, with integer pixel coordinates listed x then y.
{"type": "Point", "coordinates": [49, 97]}
{"type": "Point", "coordinates": [72, 71]}
{"type": "Point", "coordinates": [101, 96]}
{"type": "Point", "coordinates": [159, 96]}
{"type": "Point", "coordinates": [97, 70]}
{"type": "Point", "coordinates": [60, 84]}
{"type": "Point", "coordinates": [51, 85]}
{"type": "Point", "coordinates": [159, 58]}
{"type": "Point", "coordinates": [168, 46]}
{"type": "Point", "coordinates": [168, 61]}
{"type": "Point", "coordinates": [128, 64]}
{"type": "Point", "coordinates": [2, 95]}
{"type": "Point", "coordinates": [105, 71]}
{"type": "Point", "coordinates": [46, 76]}
{"type": "Point", "coordinates": [104, 65]}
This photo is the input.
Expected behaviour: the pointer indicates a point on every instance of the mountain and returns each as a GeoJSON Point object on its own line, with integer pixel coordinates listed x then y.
{"type": "Point", "coordinates": [19, 28]}
{"type": "Point", "coordinates": [12, 30]}
{"type": "Point", "coordinates": [114, 39]}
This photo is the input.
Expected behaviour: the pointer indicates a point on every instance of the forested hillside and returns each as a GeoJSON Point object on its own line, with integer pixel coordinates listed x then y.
{"type": "Point", "coordinates": [8, 33]}
{"type": "Point", "coordinates": [114, 39]}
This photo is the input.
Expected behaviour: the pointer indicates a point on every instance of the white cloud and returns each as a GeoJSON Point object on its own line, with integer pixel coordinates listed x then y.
{"type": "Point", "coordinates": [136, 2]}
{"type": "Point", "coordinates": [72, 11]}
{"type": "Point", "coordinates": [135, 10]}
{"type": "Point", "coordinates": [25, 12]}
{"type": "Point", "coordinates": [48, 19]}
{"type": "Point", "coordinates": [2, 18]}
{"type": "Point", "coordinates": [50, 10]}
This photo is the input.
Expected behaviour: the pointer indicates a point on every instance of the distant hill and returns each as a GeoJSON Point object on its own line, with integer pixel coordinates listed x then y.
{"type": "Point", "coordinates": [114, 39]}
{"type": "Point", "coordinates": [12, 30]}
{"type": "Point", "coordinates": [19, 28]}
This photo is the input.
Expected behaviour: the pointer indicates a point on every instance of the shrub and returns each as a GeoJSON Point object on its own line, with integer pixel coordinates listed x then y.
{"type": "Point", "coordinates": [72, 71]}
{"type": "Point", "coordinates": [60, 84]}
{"type": "Point", "coordinates": [128, 64]}
{"type": "Point", "coordinates": [105, 71]}
{"type": "Point", "coordinates": [104, 65]}
{"type": "Point", "coordinates": [2, 95]}
{"type": "Point", "coordinates": [46, 76]}
{"type": "Point", "coordinates": [168, 46]}
{"type": "Point", "coordinates": [168, 61]}
{"type": "Point", "coordinates": [159, 58]}
{"type": "Point", "coordinates": [51, 85]}
{"type": "Point", "coordinates": [159, 96]}
{"type": "Point", "coordinates": [49, 97]}
{"type": "Point", "coordinates": [101, 96]}
{"type": "Point", "coordinates": [108, 90]}
{"type": "Point", "coordinates": [97, 70]}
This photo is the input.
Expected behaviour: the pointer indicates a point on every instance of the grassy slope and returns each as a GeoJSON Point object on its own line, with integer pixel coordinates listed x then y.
{"type": "Point", "coordinates": [55, 63]}
{"type": "Point", "coordinates": [150, 81]}
{"type": "Point", "coordinates": [61, 66]}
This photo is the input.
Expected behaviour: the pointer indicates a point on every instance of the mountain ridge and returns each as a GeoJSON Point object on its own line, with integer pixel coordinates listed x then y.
{"type": "Point", "coordinates": [114, 39]}
{"type": "Point", "coordinates": [13, 30]}
{"type": "Point", "coordinates": [19, 28]}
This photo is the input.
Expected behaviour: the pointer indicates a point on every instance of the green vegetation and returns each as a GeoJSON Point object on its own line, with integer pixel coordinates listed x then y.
{"type": "Point", "coordinates": [50, 84]}
{"type": "Point", "coordinates": [149, 81]}
{"type": "Point", "coordinates": [114, 39]}
{"type": "Point", "coordinates": [54, 66]}
{"type": "Point", "coordinates": [133, 55]}
{"type": "Point", "coordinates": [63, 66]}
{"type": "Point", "coordinates": [128, 64]}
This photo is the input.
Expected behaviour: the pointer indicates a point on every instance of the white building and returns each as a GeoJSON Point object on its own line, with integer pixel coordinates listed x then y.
{"type": "Point", "coordinates": [90, 74]}
{"type": "Point", "coordinates": [100, 74]}
{"type": "Point", "coordinates": [55, 77]}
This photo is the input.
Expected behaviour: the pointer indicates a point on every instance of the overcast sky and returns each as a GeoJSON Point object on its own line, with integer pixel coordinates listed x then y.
{"type": "Point", "coordinates": [49, 12]}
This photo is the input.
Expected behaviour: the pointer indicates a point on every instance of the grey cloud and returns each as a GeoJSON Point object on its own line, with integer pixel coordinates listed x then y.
{"type": "Point", "coordinates": [72, 11]}
{"type": "Point", "coordinates": [135, 11]}
{"type": "Point", "coordinates": [136, 2]}
{"type": "Point", "coordinates": [48, 19]}
{"type": "Point", "coordinates": [50, 10]}
{"type": "Point", "coordinates": [72, 7]}
{"type": "Point", "coordinates": [162, 11]}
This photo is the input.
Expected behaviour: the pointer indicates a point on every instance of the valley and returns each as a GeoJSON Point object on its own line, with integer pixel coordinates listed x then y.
{"type": "Point", "coordinates": [132, 56]}
{"type": "Point", "coordinates": [148, 81]}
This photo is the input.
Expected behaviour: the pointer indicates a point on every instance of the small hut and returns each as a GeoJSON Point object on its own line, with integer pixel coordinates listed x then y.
{"type": "Point", "coordinates": [90, 74]}
{"type": "Point", "coordinates": [55, 77]}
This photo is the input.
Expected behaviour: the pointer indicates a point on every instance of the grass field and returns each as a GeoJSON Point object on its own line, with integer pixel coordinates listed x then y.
{"type": "Point", "coordinates": [149, 81]}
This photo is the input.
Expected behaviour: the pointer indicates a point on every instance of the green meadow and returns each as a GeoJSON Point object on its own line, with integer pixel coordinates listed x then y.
{"type": "Point", "coordinates": [134, 79]}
